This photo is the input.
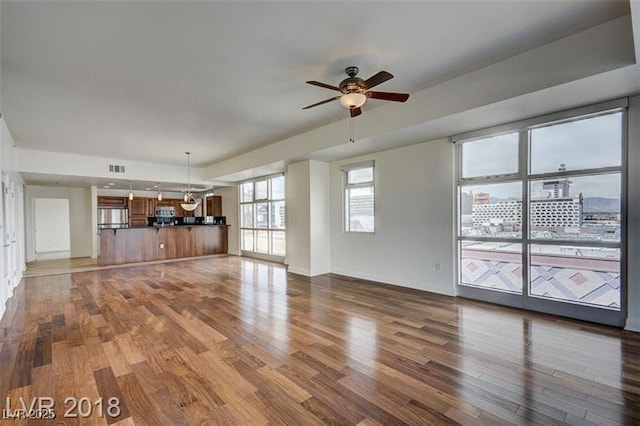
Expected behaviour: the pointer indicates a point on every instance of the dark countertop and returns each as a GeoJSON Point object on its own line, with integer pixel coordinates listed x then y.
{"type": "Point", "coordinates": [185, 224]}
{"type": "Point", "coordinates": [161, 227]}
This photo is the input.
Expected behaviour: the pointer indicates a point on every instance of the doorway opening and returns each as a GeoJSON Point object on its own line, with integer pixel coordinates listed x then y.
{"type": "Point", "coordinates": [52, 228]}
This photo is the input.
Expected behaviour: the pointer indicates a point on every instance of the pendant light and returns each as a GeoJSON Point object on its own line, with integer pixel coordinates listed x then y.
{"type": "Point", "coordinates": [130, 192]}
{"type": "Point", "coordinates": [189, 203]}
{"type": "Point", "coordinates": [159, 192]}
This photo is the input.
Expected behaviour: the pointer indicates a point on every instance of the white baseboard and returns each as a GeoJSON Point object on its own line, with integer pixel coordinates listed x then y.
{"type": "Point", "coordinates": [388, 280]}
{"type": "Point", "coordinates": [304, 272]}
{"type": "Point", "coordinates": [52, 255]}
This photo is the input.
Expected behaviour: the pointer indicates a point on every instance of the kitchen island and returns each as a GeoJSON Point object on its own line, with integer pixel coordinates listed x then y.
{"type": "Point", "coordinates": [129, 245]}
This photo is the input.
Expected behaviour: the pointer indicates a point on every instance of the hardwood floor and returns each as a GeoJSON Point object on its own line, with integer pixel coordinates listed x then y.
{"type": "Point", "coordinates": [41, 268]}
{"type": "Point", "coordinates": [231, 340]}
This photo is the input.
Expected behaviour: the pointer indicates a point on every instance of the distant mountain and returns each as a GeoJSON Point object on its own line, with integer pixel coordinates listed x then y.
{"type": "Point", "coordinates": [600, 205]}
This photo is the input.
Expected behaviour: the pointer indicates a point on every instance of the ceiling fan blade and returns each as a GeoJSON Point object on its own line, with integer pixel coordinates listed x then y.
{"type": "Point", "coordinates": [388, 96]}
{"type": "Point", "coordinates": [325, 85]}
{"type": "Point", "coordinates": [379, 78]}
{"type": "Point", "coordinates": [355, 111]}
{"type": "Point", "coordinates": [335, 98]}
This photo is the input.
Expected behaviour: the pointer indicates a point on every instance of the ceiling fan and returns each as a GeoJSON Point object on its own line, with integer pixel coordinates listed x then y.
{"type": "Point", "coordinates": [355, 91]}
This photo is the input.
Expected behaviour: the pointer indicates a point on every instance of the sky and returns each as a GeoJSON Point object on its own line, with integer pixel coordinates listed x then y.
{"type": "Point", "coordinates": [583, 144]}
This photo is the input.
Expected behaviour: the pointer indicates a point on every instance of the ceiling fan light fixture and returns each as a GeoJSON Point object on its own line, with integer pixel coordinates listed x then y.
{"type": "Point", "coordinates": [353, 100]}
{"type": "Point", "coordinates": [354, 91]}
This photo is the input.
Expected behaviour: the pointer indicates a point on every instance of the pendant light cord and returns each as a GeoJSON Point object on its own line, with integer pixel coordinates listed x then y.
{"type": "Point", "coordinates": [189, 175]}
{"type": "Point", "coordinates": [351, 130]}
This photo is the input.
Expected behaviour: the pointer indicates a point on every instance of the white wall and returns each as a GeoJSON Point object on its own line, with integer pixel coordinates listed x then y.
{"type": "Point", "coordinates": [230, 210]}
{"type": "Point", "coordinates": [308, 218]}
{"type": "Point", "coordinates": [298, 216]}
{"type": "Point", "coordinates": [414, 189]}
{"type": "Point", "coordinates": [633, 210]}
{"type": "Point", "coordinates": [80, 214]}
{"type": "Point", "coordinates": [95, 238]}
{"type": "Point", "coordinates": [319, 218]}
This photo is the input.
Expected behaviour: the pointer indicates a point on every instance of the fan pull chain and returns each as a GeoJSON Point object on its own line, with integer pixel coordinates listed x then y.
{"type": "Point", "coordinates": [351, 131]}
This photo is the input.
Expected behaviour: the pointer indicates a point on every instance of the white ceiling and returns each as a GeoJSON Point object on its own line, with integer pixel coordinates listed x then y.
{"type": "Point", "coordinates": [147, 81]}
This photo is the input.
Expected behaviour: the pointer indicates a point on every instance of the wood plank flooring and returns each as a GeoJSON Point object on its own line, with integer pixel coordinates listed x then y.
{"type": "Point", "coordinates": [41, 268]}
{"type": "Point", "coordinates": [232, 340]}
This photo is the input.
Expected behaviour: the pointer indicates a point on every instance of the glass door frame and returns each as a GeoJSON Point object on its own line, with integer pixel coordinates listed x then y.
{"type": "Point", "coordinates": [525, 300]}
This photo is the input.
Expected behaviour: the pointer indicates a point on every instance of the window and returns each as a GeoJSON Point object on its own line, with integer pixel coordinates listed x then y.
{"type": "Point", "coordinates": [262, 216]}
{"type": "Point", "coordinates": [359, 197]}
{"type": "Point", "coordinates": [540, 218]}
{"type": "Point", "coordinates": [493, 156]}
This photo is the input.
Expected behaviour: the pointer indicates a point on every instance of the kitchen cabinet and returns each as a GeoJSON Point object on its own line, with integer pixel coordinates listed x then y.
{"type": "Point", "coordinates": [165, 203]}
{"type": "Point", "coordinates": [144, 206]}
{"type": "Point", "coordinates": [139, 210]}
{"type": "Point", "coordinates": [139, 207]}
{"type": "Point", "coordinates": [214, 205]}
{"type": "Point", "coordinates": [151, 207]}
{"type": "Point", "coordinates": [138, 222]}
{"type": "Point", "coordinates": [113, 202]}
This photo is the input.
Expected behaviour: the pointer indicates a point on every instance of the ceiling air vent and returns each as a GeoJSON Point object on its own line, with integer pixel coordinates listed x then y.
{"type": "Point", "coordinates": [114, 168]}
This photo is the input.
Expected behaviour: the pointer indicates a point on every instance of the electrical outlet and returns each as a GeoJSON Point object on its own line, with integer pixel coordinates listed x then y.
{"type": "Point", "coordinates": [438, 266]}
{"type": "Point", "coordinates": [162, 245]}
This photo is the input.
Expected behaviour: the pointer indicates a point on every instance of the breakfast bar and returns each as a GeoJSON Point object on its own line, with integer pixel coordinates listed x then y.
{"type": "Point", "coordinates": [130, 245]}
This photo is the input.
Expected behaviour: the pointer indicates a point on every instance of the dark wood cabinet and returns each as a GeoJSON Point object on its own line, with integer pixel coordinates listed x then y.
{"type": "Point", "coordinates": [114, 202]}
{"type": "Point", "coordinates": [142, 208]}
{"type": "Point", "coordinates": [214, 206]}
{"type": "Point", "coordinates": [151, 207]}
{"type": "Point", "coordinates": [179, 210]}
{"type": "Point", "coordinates": [165, 203]}
{"type": "Point", "coordinates": [139, 207]}
{"type": "Point", "coordinates": [138, 212]}
{"type": "Point", "coordinates": [138, 222]}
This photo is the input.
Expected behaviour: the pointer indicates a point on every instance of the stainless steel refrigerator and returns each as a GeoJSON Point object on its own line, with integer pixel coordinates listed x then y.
{"type": "Point", "coordinates": [113, 218]}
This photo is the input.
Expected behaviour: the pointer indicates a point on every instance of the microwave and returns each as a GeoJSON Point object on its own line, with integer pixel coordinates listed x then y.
{"type": "Point", "coordinates": [165, 211]}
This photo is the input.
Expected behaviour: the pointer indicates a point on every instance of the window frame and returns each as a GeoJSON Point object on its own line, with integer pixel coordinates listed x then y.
{"type": "Point", "coordinates": [255, 229]}
{"type": "Point", "coordinates": [346, 186]}
{"type": "Point", "coordinates": [524, 127]}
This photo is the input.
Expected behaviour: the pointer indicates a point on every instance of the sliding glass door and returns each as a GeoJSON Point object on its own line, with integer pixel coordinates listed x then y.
{"type": "Point", "coordinates": [541, 219]}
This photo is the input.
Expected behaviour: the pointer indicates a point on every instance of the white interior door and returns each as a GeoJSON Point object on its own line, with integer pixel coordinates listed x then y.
{"type": "Point", "coordinates": [52, 230]}
{"type": "Point", "coordinates": [4, 250]}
